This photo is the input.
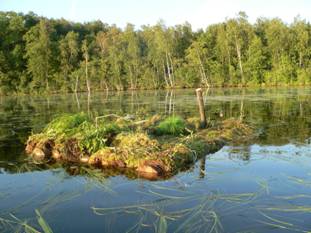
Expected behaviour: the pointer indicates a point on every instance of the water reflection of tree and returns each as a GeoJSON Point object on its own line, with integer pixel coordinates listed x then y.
{"type": "Point", "coordinates": [202, 168]}
{"type": "Point", "coordinates": [170, 102]}
{"type": "Point", "coordinates": [77, 100]}
{"type": "Point", "coordinates": [242, 105]}
{"type": "Point", "coordinates": [240, 153]}
{"type": "Point", "coordinates": [13, 131]}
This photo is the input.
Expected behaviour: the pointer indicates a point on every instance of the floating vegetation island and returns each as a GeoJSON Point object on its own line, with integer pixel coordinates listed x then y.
{"type": "Point", "coordinates": [153, 147]}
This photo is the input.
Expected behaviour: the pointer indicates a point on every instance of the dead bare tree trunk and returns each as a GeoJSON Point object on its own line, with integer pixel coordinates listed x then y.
{"type": "Point", "coordinates": [204, 78]}
{"type": "Point", "coordinates": [155, 83]}
{"type": "Point", "coordinates": [89, 103]}
{"type": "Point", "coordinates": [166, 96]}
{"type": "Point", "coordinates": [229, 64]}
{"type": "Point", "coordinates": [168, 71]}
{"type": "Point", "coordinates": [172, 69]}
{"type": "Point", "coordinates": [77, 83]}
{"type": "Point", "coordinates": [131, 78]}
{"type": "Point", "coordinates": [135, 76]}
{"type": "Point", "coordinates": [238, 51]}
{"type": "Point", "coordinates": [87, 74]}
{"type": "Point", "coordinates": [47, 80]}
{"type": "Point", "coordinates": [165, 78]}
{"type": "Point", "coordinates": [203, 122]}
{"type": "Point", "coordinates": [171, 103]}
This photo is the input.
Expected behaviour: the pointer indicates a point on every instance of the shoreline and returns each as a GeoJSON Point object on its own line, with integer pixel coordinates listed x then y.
{"type": "Point", "coordinates": [261, 87]}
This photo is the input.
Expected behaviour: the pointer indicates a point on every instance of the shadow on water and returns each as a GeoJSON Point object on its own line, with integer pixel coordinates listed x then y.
{"type": "Point", "coordinates": [262, 186]}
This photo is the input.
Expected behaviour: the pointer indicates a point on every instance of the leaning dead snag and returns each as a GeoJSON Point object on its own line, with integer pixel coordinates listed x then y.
{"type": "Point", "coordinates": [201, 108]}
{"type": "Point", "coordinates": [152, 147]}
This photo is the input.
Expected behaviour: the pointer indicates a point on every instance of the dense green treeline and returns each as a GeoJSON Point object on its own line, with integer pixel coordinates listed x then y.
{"type": "Point", "coordinates": [48, 55]}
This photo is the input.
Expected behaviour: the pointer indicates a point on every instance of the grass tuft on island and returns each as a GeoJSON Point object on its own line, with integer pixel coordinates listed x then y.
{"type": "Point", "coordinates": [153, 147]}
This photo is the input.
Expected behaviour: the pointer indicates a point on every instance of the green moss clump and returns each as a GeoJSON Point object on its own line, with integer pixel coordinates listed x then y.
{"type": "Point", "coordinates": [75, 136]}
{"type": "Point", "coordinates": [65, 124]}
{"type": "Point", "coordinates": [174, 125]}
{"type": "Point", "coordinates": [92, 139]}
{"type": "Point", "coordinates": [135, 140]}
{"type": "Point", "coordinates": [130, 148]}
{"type": "Point", "coordinates": [89, 137]}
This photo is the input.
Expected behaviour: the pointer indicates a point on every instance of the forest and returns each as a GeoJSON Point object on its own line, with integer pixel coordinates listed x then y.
{"type": "Point", "coordinates": [41, 55]}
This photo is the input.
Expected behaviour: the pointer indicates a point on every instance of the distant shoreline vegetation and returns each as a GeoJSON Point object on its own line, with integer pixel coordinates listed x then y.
{"type": "Point", "coordinates": [40, 55]}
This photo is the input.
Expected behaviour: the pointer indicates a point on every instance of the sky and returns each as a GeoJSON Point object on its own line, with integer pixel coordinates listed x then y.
{"type": "Point", "coordinates": [199, 13]}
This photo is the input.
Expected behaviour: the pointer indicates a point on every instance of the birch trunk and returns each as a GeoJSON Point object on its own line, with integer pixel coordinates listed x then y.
{"type": "Point", "coordinates": [165, 78]}
{"type": "Point", "coordinates": [169, 71]}
{"type": "Point", "coordinates": [238, 51]}
{"type": "Point", "coordinates": [46, 80]}
{"type": "Point", "coordinates": [87, 74]}
{"type": "Point", "coordinates": [77, 82]}
{"type": "Point", "coordinates": [202, 71]}
{"type": "Point", "coordinates": [135, 76]}
{"type": "Point", "coordinates": [172, 69]}
{"type": "Point", "coordinates": [131, 78]}
{"type": "Point", "coordinates": [229, 64]}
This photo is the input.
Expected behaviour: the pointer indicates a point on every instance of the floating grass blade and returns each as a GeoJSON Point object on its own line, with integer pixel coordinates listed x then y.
{"type": "Point", "coordinates": [162, 225]}
{"type": "Point", "coordinates": [44, 225]}
{"type": "Point", "coordinates": [293, 208]}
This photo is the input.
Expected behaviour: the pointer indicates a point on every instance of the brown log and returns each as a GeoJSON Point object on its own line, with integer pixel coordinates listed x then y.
{"type": "Point", "coordinates": [203, 122]}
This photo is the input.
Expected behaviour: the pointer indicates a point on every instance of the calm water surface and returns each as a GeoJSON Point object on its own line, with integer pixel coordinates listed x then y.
{"type": "Point", "coordinates": [262, 186]}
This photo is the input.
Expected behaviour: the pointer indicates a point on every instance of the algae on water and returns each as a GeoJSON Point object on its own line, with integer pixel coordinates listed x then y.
{"type": "Point", "coordinates": [155, 146]}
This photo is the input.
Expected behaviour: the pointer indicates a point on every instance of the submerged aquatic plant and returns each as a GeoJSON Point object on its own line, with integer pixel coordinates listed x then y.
{"type": "Point", "coordinates": [173, 125]}
{"type": "Point", "coordinates": [17, 225]}
{"type": "Point", "coordinates": [200, 214]}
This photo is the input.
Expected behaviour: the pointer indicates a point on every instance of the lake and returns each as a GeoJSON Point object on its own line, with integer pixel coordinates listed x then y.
{"type": "Point", "coordinates": [261, 186]}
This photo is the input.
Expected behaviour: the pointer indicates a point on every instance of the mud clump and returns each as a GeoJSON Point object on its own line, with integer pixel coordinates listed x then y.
{"type": "Point", "coordinates": [40, 149]}
{"type": "Point", "coordinates": [151, 169]}
{"type": "Point", "coordinates": [153, 147]}
{"type": "Point", "coordinates": [72, 151]}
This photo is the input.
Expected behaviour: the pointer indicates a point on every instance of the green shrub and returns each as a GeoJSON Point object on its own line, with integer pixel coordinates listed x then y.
{"type": "Point", "coordinates": [171, 126]}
